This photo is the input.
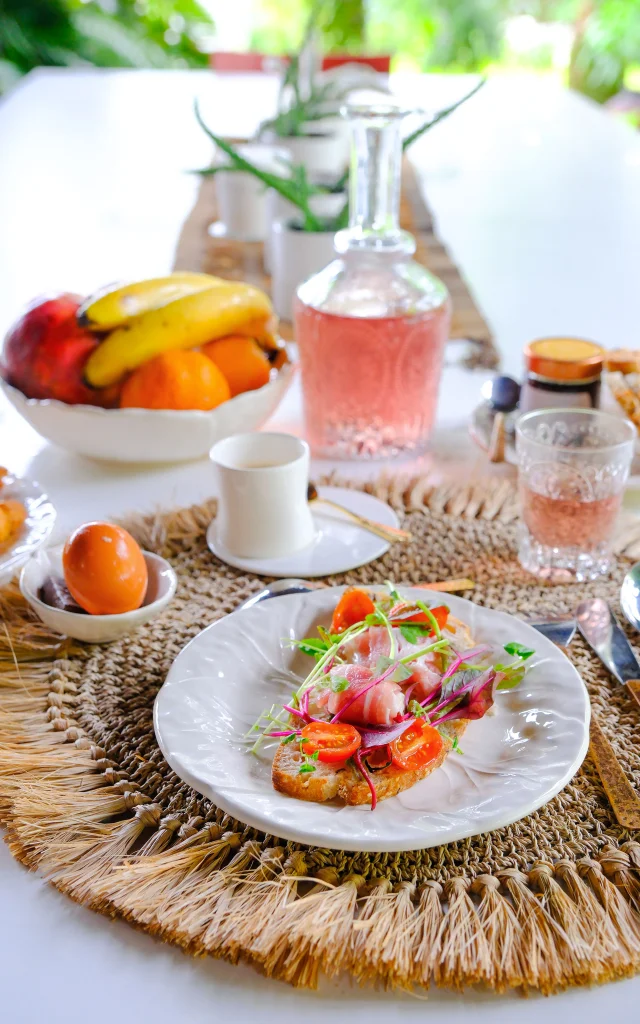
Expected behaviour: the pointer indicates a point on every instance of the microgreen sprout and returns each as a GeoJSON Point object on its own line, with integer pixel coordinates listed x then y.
{"type": "Point", "coordinates": [439, 645]}
{"type": "Point", "coordinates": [431, 617]}
{"type": "Point", "coordinates": [308, 760]}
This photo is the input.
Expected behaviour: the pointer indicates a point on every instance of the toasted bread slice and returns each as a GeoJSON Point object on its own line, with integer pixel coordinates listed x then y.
{"type": "Point", "coordinates": [346, 782]}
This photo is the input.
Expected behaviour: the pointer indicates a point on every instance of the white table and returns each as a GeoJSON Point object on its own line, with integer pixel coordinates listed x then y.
{"type": "Point", "coordinates": [536, 192]}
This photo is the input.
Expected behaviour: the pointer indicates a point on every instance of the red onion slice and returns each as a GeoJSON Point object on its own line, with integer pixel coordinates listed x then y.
{"type": "Point", "coordinates": [379, 737]}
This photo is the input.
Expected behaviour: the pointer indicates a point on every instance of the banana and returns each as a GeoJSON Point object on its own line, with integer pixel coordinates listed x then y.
{"type": "Point", "coordinates": [115, 305]}
{"type": "Point", "coordinates": [184, 323]}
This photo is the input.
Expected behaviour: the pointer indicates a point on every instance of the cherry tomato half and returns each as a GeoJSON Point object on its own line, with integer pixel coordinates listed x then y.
{"type": "Point", "coordinates": [418, 746]}
{"type": "Point", "coordinates": [334, 741]}
{"type": "Point", "coordinates": [353, 607]}
{"type": "Point", "coordinates": [440, 614]}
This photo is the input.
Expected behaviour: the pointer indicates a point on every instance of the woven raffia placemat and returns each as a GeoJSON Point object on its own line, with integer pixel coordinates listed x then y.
{"type": "Point", "coordinates": [87, 798]}
{"type": "Point", "coordinates": [242, 261]}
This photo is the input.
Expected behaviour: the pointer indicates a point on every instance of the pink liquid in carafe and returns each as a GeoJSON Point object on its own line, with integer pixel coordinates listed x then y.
{"type": "Point", "coordinates": [371, 326]}
{"type": "Point", "coordinates": [370, 383]}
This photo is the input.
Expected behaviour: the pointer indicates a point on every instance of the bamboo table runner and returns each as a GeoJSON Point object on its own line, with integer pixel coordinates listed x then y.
{"type": "Point", "coordinates": [88, 800]}
{"type": "Point", "coordinates": [198, 250]}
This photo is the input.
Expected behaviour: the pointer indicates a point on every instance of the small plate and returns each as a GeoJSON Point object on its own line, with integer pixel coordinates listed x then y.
{"type": "Point", "coordinates": [514, 760]}
{"type": "Point", "coordinates": [339, 544]}
{"type": "Point", "coordinates": [35, 530]}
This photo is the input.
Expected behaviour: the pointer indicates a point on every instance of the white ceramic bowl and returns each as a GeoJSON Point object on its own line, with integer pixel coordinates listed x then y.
{"type": "Point", "coordinates": [148, 435]}
{"type": "Point", "coordinates": [96, 629]}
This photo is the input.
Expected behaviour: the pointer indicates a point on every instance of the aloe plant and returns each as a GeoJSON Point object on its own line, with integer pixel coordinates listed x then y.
{"type": "Point", "coordinates": [296, 187]}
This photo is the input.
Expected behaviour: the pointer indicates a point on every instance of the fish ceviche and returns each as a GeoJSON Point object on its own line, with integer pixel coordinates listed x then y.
{"type": "Point", "coordinates": [394, 685]}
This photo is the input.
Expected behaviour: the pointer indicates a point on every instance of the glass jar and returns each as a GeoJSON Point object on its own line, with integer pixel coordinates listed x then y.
{"type": "Point", "coordinates": [371, 327]}
{"type": "Point", "coordinates": [562, 373]}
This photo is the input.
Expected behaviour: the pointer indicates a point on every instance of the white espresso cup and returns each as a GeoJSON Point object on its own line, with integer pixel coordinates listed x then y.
{"type": "Point", "coordinates": [263, 510]}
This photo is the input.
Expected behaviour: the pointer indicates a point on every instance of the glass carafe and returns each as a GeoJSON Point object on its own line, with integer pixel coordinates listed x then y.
{"type": "Point", "coordinates": [371, 327]}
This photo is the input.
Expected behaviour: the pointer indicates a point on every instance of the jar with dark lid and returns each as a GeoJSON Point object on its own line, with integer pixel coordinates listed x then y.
{"type": "Point", "coordinates": [562, 373]}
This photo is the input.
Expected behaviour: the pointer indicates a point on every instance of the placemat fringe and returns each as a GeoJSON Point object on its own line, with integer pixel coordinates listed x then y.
{"type": "Point", "coordinates": [113, 832]}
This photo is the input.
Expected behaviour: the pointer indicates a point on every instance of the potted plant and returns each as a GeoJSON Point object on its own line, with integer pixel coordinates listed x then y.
{"type": "Point", "coordinates": [307, 121]}
{"type": "Point", "coordinates": [303, 243]}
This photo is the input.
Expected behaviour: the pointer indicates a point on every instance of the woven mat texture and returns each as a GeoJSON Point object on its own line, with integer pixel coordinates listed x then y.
{"type": "Point", "coordinates": [88, 799]}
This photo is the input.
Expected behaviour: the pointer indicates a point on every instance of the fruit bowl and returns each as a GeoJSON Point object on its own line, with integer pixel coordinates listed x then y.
{"type": "Point", "coordinates": [148, 435]}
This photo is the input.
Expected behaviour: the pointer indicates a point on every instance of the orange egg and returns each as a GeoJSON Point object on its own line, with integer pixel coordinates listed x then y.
{"type": "Point", "coordinates": [104, 569]}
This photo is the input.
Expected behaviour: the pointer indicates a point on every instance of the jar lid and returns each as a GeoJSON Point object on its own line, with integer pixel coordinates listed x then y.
{"type": "Point", "coordinates": [623, 360]}
{"type": "Point", "coordinates": [564, 359]}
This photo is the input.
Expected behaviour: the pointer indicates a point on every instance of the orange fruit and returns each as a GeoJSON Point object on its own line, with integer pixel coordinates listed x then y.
{"type": "Point", "coordinates": [12, 516]}
{"type": "Point", "coordinates": [104, 569]}
{"type": "Point", "coordinates": [241, 360]}
{"type": "Point", "coordinates": [175, 380]}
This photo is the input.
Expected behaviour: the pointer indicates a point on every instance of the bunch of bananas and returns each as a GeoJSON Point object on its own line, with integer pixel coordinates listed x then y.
{"type": "Point", "coordinates": [181, 311]}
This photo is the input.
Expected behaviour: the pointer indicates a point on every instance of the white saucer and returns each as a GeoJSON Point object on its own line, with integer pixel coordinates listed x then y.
{"type": "Point", "coordinates": [339, 544]}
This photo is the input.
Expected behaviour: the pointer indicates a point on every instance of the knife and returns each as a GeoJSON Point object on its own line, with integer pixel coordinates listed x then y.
{"type": "Point", "coordinates": [622, 797]}
{"type": "Point", "coordinates": [603, 632]}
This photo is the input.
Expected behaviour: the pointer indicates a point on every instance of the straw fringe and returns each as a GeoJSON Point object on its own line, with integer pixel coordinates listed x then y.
{"type": "Point", "coordinates": [213, 889]}
{"type": "Point", "coordinates": [200, 905]}
{"type": "Point", "coordinates": [500, 927]}
{"type": "Point", "coordinates": [385, 935]}
{"type": "Point", "coordinates": [316, 931]}
{"type": "Point", "coordinates": [464, 954]}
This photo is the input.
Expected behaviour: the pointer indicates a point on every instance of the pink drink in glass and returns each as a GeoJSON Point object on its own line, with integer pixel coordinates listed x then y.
{"type": "Point", "coordinates": [371, 384]}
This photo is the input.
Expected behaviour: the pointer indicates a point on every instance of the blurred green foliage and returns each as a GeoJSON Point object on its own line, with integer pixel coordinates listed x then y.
{"type": "Point", "coordinates": [111, 33]}
{"type": "Point", "coordinates": [467, 35]}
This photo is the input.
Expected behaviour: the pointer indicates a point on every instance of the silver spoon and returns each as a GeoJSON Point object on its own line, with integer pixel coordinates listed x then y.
{"type": "Point", "coordinates": [630, 596]}
{"type": "Point", "coordinates": [278, 589]}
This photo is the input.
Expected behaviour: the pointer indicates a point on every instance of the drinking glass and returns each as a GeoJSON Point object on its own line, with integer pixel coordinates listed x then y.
{"type": "Point", "coordinates": [573, 465]}
{"type": "Point", "coordinates": [371, 327]}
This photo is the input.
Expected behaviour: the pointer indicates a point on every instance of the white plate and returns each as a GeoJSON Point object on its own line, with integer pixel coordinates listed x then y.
{"type": "Point", "coordinates": [514, 760]}
{"type": "Point", "coordinates": [339, 544]}
{"type": "Point", "coordinates": [37, 527]}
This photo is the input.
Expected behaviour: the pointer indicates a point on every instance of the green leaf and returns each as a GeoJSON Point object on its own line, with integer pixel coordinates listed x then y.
{"type": "Point", "coordinates": [313, 647]}
{"type": "Point", "coordinates": [373, 619]}
{"type": "Point", "coordinates": [456, 748]}
{"type": "Point", "coordinates": [338, 684]}
{"type": "Point", "coordinates": [414, 633]}
{"type": "Point", "coordinates": [306, 768]}
{"type": "Point", "coordinates": [512, 680]}
{"type": "Point", "coordinates": [417, 709]}
{"type": "Point", "coordinates": [401, 673]}
{"type": "Point", "coordinates": [288, 739]}
{"type": "Point", "coordinates": [519, 650]}
{"type": "Point", "coordinates": [393, 593]}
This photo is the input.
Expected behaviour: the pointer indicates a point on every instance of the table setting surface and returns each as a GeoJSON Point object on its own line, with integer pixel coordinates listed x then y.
{"type": "Point", "coordinates": [529, 270]}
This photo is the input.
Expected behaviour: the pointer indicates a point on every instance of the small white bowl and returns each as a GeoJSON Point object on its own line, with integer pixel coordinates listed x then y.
{"type": "Point", "coordinates": [148, 435]}
{"type": "Point", "coordinates": [96, 629]}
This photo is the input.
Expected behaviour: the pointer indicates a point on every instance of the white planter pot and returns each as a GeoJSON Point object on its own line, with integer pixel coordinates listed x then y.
{"type": "Point", "coordinates": [242, 202]}
{"type": "Point", "coordinates": [333, 124]}
{"type": "Point", "coordinates": [296, 256]}
{"type": "Point", "coordinates": [323, 154]}
{"type": "Point", "coordinates": [279, 208]}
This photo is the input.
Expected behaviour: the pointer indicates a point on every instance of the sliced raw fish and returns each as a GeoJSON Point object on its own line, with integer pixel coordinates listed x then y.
{"type": "Point", "coordinates": [379, 705]}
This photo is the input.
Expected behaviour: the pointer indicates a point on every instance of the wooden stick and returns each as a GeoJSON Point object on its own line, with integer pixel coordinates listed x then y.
{"type": "Point", "coordinates": [448, 586]}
